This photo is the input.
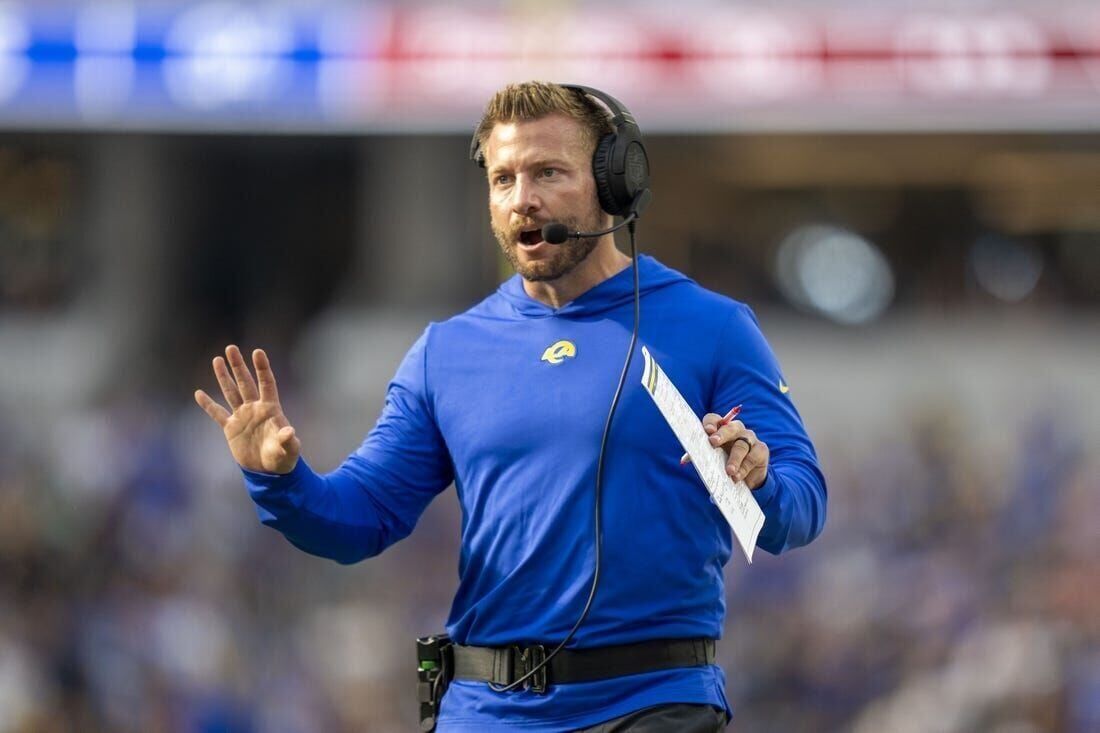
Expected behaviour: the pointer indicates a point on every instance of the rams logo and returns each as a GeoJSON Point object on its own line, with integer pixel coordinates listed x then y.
{"type": "Point", "coordinates": [559, 352]}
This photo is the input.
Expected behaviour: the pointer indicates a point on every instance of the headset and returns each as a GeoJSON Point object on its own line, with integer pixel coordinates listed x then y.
{"type": "Point", "coordinates": [621, 168]}
{"type": "Point", "coordinates": [620, 164]}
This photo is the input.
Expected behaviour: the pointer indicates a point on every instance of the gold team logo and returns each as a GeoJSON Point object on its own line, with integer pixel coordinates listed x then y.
{"type": "Point", "coordinates": [783, 388]}
{"type": "Point", "coordinates": [559, 352]}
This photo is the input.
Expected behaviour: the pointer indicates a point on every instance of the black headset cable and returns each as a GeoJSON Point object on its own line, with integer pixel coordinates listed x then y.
{"type": "Point", "coordinates": [599, 476]}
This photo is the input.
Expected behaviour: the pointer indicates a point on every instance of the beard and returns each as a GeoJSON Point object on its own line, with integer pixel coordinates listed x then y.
{"type": "Point", "coordinates": [567, 256]}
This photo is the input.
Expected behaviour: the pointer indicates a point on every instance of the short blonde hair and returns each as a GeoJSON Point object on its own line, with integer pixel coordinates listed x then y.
{"type": "Point", "coordinates": [533, 100]}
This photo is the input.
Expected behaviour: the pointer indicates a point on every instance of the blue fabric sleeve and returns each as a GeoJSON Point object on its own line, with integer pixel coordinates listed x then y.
{"type": "Point", "coordinates": [793, 496]}
{"type": "Point", "coordinates": [377, 495]}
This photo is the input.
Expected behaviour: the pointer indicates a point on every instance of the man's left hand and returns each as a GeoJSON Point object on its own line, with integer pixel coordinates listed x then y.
{"type": "Point", "coordinates": [748, 455]}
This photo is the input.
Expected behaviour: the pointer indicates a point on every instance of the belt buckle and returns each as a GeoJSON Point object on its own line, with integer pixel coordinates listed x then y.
{"type": "Point", "coordinates": [532, 657]}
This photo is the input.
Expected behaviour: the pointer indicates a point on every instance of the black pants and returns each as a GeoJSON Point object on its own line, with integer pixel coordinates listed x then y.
{"type": "Point", "coordinates": [675, 718]}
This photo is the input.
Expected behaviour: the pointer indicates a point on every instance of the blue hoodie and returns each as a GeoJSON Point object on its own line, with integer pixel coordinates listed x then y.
{"type": "Point", "coordinates": [486, 400]}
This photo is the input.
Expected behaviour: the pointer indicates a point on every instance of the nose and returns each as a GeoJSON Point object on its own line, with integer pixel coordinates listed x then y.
{"type": "Point", "coordinates": [525, 200]}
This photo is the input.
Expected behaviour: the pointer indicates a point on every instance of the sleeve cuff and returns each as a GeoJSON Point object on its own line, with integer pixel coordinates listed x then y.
{"type": "Point", "coordinates": [276, 486]}
{"type": "Point", "coordinates": [261, 477]}
{"type": "Point", "coordinates": [765, 493]}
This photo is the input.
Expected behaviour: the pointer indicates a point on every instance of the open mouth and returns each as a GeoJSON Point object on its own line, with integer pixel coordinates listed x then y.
{"type": "Point", "coordinates": [531, 237]}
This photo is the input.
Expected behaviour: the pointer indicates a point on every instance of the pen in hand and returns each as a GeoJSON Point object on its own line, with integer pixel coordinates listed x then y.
{"type": "Point", "coordinates": [726, 420]}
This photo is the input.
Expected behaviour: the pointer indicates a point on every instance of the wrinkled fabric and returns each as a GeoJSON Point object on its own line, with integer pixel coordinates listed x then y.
{"type": "Point", "coordinates": [508, 401]}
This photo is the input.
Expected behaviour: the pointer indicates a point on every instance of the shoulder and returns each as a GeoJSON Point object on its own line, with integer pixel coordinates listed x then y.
{"type": "Point", "coordinates": [684, 295]}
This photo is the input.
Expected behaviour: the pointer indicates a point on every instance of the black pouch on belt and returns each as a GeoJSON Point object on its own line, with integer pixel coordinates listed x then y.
{"type": "Point", "coordinates": [435, 669]}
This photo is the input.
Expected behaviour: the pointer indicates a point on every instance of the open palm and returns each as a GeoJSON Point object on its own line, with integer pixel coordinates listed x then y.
{"type": "Point", "coordinates": [258, 433]}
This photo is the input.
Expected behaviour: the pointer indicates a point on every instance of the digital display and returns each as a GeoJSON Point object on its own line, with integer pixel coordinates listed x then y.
{"type": "Point", "coordinates": [428, 68]}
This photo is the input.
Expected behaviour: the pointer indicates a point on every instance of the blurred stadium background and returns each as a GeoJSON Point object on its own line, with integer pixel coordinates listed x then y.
{"type": "Point", "coordinates": [907, 193]}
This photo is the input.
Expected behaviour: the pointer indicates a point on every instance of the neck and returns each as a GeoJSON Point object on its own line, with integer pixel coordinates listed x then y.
{"type": "Point", "coordinates": [604, 262]}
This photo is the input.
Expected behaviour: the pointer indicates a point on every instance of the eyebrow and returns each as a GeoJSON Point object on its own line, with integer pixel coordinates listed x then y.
{"type": "Point", "coordinates": [550, 162]}
{"type": "Point", "coordinates": [541, 163]}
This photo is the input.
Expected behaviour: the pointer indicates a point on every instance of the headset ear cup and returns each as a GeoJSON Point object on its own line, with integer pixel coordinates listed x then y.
{"type": "Point", "coordinates": [601, 170]}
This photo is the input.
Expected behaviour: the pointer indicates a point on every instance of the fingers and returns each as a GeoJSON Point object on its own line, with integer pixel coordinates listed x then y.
{"type": "Point", "coordinates": [755, 479]}
{"type": "Point", "coordinates": [285, 438]}
{"type": "Point", "coordinates": [748, 456]}
{"type": "Point", "coordinates": [238, 387]}
{"type": "Point", "coordinates": [212, 408]}
{"type": "Point", "coordinates": [245, 383]}
{"type": "Point", "coordinates": [743, 462]}
{"type": "Point", "coordinates": [282, 455]}
{"type": "Point", "coordinates": [725, 434]}
{"type": "Point", "coordinates": [225, 381]}
{"type": "Point", "coordinates": [265, 376]}
{"type": "Point", "coordinates": [747, 453]}
{"type": "Point", "coordinates": [710, 423]}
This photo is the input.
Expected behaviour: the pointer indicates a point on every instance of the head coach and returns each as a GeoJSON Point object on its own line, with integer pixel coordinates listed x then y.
{"type": "Point", "coordinates": [590, 588]}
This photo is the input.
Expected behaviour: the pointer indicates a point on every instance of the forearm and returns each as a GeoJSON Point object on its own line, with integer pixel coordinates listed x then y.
{"type": "Point", "coordinates": [793, 500]}
{"type": "Point", "coordinates": [334, 516]}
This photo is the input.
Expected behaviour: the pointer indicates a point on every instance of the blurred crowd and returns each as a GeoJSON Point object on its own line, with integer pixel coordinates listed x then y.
{"type": "Point", "coordinates": [952, 590]}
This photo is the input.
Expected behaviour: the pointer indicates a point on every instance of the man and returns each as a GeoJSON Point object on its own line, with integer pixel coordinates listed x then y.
{"type": "Point", "coordinates": [508, 401]}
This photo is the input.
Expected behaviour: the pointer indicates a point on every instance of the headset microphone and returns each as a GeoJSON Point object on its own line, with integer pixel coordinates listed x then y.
{"type": "Point", "coordinates": [557, 233]}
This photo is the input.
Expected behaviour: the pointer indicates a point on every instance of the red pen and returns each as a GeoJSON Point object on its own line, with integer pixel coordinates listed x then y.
{"type": "Point", "coordinates": [726, 420]}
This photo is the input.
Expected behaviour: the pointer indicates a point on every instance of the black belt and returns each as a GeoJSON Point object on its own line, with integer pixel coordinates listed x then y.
{"type": "Point", "coordinates": [505, 665]}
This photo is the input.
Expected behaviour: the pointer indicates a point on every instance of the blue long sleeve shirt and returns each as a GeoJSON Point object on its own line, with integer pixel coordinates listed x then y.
{"type": "Point", "coordinates": [476, 403]}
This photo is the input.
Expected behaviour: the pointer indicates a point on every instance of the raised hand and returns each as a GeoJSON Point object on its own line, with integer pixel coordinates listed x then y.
{"type": "Point", "coordinates": [258, 433]}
